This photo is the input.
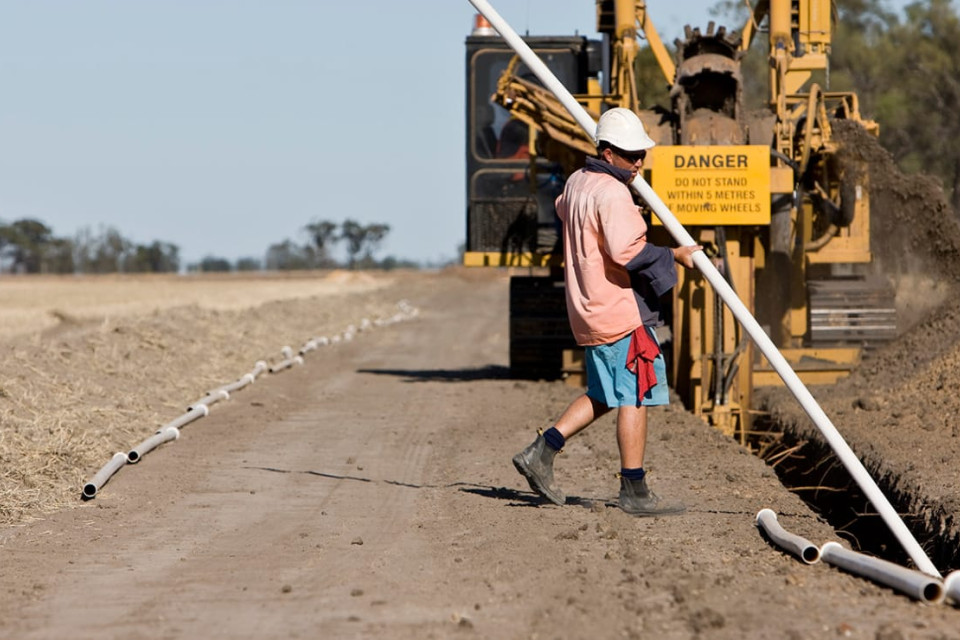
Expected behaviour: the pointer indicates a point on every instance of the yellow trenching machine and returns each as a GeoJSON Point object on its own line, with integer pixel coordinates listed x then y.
{"type": "Point", "coordinates": [769, 194]}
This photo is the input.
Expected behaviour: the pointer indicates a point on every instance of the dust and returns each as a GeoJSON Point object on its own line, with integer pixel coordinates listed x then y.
{"type": "Point", "coordinates": [914, 233]}
{"type": "Point", "coordinates": [915, 238]}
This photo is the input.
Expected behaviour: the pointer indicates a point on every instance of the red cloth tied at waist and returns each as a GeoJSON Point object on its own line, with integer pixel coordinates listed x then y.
{"type": "Point", "coordinates": [643, 351]}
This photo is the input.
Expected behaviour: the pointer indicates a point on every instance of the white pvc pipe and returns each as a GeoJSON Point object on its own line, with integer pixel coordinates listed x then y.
{"type": "Point", "coordinates": [843, 451]}
{"type": "Point", "coordinates": [915, 584]}
{"type": "Point", "coordinates": [151, 443]}
{"type": "Point", "coordinates": [191, 415]}
{"type": "Point", "coordinates": [258, 368]}
{"type": "Point", "coordinates": [951, 586]}
{"type": "Point", "coordinates": [286, 364]}
{"type": "Point", "coordinates": [118, 460]}
{"type": "Point", "coordinates": [797, 545]}
{"type": "Point", "coordinates": [308, 346]}
{"type": "Point", "coordinates": [212, 397]}
{"type": "Point", "coordinates": [287, 352]}
{"type": "Point", "coordinates": [244, 380]}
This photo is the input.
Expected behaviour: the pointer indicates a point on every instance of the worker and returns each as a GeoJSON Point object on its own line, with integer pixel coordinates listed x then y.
{"type": "Point", "coordinates": [614, 279]}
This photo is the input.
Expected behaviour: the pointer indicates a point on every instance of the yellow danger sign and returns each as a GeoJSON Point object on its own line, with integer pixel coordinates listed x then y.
{"type": "Point", "coordinates": [713, 185]}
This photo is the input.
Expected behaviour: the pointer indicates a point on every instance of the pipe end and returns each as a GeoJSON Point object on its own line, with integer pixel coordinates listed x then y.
{"type": "Point", "coordinates": [810, 555]}
{"type": "Point", "coordinates": [952, 580]}
{"type": "Point", "coordinates": [933, 593]}
{"type": "Point", "coordinates": [89, 491]}
{"type": "Point", "coordinates": [133, 456]}
{"type": "Point", "coordinates": [828, 546]}
{"type": "Point", "coordinates": [197, 406]}
{"type": "Point", "coordinates": [765, 513]}
{"type": "Point", "coordinates": [951, 587]}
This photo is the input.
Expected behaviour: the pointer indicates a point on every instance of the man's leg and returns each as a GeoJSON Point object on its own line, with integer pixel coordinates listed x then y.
{"type": "Point", "coordinates": [632, 436]}
{"type": "Point", "coordinates": [535, 463]}
{"type": "Point", "coordinates": [579, 415]}
{"type": "Point", "coordinates": [635, 497]}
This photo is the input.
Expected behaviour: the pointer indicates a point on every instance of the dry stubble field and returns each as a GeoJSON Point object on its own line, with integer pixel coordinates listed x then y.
{"type": "Point", "coordinates": [90, 365]}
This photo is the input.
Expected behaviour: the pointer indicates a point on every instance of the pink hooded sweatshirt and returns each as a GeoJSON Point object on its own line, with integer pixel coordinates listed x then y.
{"type": "Point", "coordinates": [602, 231]}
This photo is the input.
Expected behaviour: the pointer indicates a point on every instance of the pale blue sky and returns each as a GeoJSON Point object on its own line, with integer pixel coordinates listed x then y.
{"type": "Point", "coordinates": [224, 126]}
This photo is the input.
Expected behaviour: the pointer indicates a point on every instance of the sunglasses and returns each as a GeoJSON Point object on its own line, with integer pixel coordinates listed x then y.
{"type": "Point", "coordinates": [634, 157]}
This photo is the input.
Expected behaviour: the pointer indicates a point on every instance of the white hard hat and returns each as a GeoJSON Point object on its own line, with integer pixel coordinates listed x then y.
{"type": "Point", "coordinates": [623, 129]}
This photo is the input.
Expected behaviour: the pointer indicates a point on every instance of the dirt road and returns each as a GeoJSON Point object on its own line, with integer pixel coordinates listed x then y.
{"type": "Point", "coordinates": [369, 493]}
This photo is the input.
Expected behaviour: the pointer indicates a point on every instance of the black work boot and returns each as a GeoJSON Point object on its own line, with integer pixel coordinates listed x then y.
{"type": "Point", "coordinates": [637, 499]}
{"type": "Point", "coordinates": [535, 463]}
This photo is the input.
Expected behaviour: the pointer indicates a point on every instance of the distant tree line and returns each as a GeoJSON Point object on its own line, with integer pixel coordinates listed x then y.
{"type": "Point", "coordinates": [316, 251]}
{"type": "Point", "coordinates": [30, 246]}
{"type": "Point", "coordinates": [360, 242]}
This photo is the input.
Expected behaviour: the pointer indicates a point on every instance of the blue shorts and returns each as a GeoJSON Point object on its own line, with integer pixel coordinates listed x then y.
{"type": "Point", "coordinates": [610, 382]}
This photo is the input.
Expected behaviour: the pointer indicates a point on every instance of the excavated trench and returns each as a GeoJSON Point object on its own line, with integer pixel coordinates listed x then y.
{"type": "Point", "coordinates": [897, 409]}
{"type": "Point", "coordinates": [807, 466]}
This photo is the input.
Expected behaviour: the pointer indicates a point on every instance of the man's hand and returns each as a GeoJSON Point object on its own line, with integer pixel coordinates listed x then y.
{"type": "Point", "coordinates": [684, 255]}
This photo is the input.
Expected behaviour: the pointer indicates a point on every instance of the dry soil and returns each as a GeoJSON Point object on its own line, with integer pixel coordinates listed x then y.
{"type": "Point", "coordinates": [369, 493]}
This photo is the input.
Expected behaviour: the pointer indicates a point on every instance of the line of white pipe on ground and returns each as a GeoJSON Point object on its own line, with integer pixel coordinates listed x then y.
{"type": "Point", "coordinates": [915, 584]}
{"type": "Point", "coordinates": [797, 545]}
{"type": "Point", "coordinates": [106, 471]}
{"type": "Point", "coordinates": [151, 443]}
{"type": "Point", "coordinates": [201, 408]}
{"type": "Point", "coordinates": [842, 450]}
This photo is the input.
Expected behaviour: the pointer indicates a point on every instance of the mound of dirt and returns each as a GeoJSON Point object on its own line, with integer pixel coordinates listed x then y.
{"type": "Point", "coordinates": [913, 229]}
